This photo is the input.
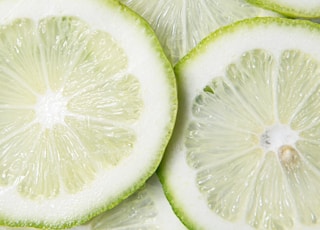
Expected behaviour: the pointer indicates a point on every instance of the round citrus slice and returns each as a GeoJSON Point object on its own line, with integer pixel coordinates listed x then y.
{"type": "Point", "coordinates": [87, 105]}
{"type": "Point", "coordinates": [245, 151]}
{"type": "Point", "coordinates": [146, 209]}
{"type": "Point", "coordinates": [292, 8]}
{"type": "Point", "coordinates": [181, 24]}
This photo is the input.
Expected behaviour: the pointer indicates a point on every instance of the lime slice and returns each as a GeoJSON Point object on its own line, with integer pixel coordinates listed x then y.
{"type": "Point", "coordinates": [292, 8]}
{"type": "Point", "coordinates": [146, 209]}
{"type": "Point", "coordinates": [246, 143]}
{"type": "Point", "coordinates": [87, 105]}
{"type": "Point", "coordinates": [181, 24]}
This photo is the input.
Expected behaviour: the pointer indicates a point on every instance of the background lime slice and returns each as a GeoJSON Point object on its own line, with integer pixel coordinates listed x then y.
{"type": "Point", "coordinates": [181, 24]}
{"type": "Point", "coordinates": [146, 209]}
{"type": "Point", "coordinates": [291, 8]}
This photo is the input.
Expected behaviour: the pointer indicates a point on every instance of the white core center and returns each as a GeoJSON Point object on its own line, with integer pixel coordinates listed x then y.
{"type": "Point", "coordinates": [51, 109]}
{"type": "Point", "coordinates": [277, 136]}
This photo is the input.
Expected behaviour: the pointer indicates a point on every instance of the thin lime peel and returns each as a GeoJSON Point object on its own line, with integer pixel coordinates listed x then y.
{"type": "Point", "coordinates": [180, 27]}
{"type": "Point", "coordinates": [60, 110]}
{"type": "Point", "coordinates": [308, 9]}
{"type": "Point", "coordinates": [259, 148]}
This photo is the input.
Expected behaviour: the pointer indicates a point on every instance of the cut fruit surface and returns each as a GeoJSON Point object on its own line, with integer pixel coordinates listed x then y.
{"type": "Point", "coordinates": [79, 126]}
{"type": "Point", "coordinates": [292, 8]}
{"type": "Point", "coordinates": [246, 142]}
{"type": "Point", "coordinates": [182, 24]}
{"type": "Point", "coordinates": [146, 209]}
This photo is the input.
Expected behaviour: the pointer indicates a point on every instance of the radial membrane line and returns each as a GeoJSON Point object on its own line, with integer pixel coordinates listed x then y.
{"type": "Point", "coordinates": [76, 137]}
{"type": "Point", "coordinates": [16, 107]}
{"type": "Point", "coordinates": [208, 12]}
{"type": "Point", "coordinates": [316, 142]}
{"type": "Point", "coordinates": [18, 78]}
{"type": "Point", "coordinates": [20, 130]}
{"type": "Point", "coordinates": [235, 128]}
{"type": "Point", "coordinates": [96, 119]}
{"type": "Point", "coordinates": [231, 157]}
{"type": "Point", "coordinates": [275, 78]}
{"type": "Point", "coordinates": [184, 24]}
{"type": "Point", "coordinates": [79, 92]}
{"type": "Point", "coordinates": [305, 99]}
{"type": "Point", "coordinates": [43, 60]}
{"type": "Point", "coordinates": [93, 86]}
{"type": "Point", "coordinates": [243, 103]}
{"type": "Point", "coordinates": [154, 13]}
{"type": "Point", "coordinates": [77, 58]}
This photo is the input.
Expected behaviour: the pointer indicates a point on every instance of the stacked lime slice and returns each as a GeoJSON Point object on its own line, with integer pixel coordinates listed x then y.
{"type": "Point", "coordinates": [245, 150]}
{"type": "Point", "coordinates": [146, 209]}
{"type": "Point", "coordinates": [79, 127]}
{"type": "Point", "coordinates": [291, 8]}
{"type": "Point", "coordinates": [88, 104]}
{"type": "Point", "coordinates": [181, 24]}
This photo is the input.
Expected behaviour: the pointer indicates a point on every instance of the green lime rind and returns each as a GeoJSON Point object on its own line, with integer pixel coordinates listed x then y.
{"type": "Point", "coordinates": [167, 166]}
{"type": "Point", "coordinates": [176, 207]}
{"type": "Point", "coordinates": [250, 22]}
{"type": "Point", "coordinates": [178, 27]}
{"type": "Point", "coordinates": [7, 221]}
{"type": "Point", "coordinates": [148, 31]}
{"type": "Point", "coordinates": [145, 208]}
{"type": "Point", "coordinates": [286, 9]}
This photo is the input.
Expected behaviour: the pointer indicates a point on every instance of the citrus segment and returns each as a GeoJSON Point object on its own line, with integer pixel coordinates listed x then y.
{"type": "Point", "coordinates": [245, 142]}
{"type": "Point", "coordinates": [79, 136]}
{"type": "Point", "coordinates": [80, 129]}
{"type": "Point", "coordinates": [17, 57]}
{"type": "Point", "coordinates": [145, 209]}
{"type": "Point", "coordinates": [302, 68]}
{"type": "Point", "coordinates": [270, 205]}
{"type": "Point", "coordinates": [181, 25]}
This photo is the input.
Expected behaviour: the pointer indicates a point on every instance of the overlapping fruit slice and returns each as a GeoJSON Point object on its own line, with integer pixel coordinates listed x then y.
{"type": "Point", "coordinates": [291, 8]}
{"type": "Point", "coordinates": [245, 151]}
{"type": "Point", "coordinates": [85, 112]}
{"type": "Point", "coordinates": [181, 24]}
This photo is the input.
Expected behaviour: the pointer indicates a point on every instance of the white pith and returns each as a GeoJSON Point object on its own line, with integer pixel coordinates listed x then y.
{"type": "Point", "coordinates": [51, 109]}
{"type": "Point", "coordinates": [194, 73]}
{"type": "Point", "coordinates": [148, 209]}
{"type": "Point", "coordinates": [154, 87]}
{"type": "Point", "coordinates": [166, 218]}
{"type": "Point", "coordinates": [276, 136]}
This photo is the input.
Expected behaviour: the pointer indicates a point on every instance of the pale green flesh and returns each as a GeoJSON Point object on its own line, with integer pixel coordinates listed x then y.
{"type": "Point", "coordinates": [135, 214]}
{"type": "Point", "coordinates": [66, 105]}
{"type": "Point", "coordinates": [181, 24]}
{"type": "Point", "coordinates": [241, 170]}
